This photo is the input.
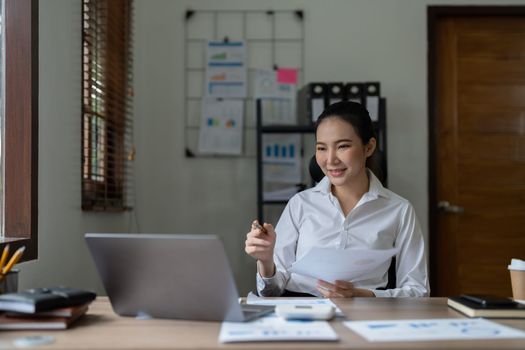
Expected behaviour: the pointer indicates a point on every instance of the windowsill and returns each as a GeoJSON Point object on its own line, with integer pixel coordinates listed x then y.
{"type": "Point", "coordinates": [9, 239]}
{"type": "Point", "coordinates": [17, 242]}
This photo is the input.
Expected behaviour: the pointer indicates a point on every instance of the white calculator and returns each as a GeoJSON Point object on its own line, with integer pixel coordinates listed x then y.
{"type": "Point", "coordinates": [305, 312]}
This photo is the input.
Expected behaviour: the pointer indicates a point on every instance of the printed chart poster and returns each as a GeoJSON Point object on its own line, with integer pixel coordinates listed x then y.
{"type": "Point", "coordinates": [226, 69]}
{"type": "Point", "coordinates": [221, 127]}
{"type": "Point", "coordinates": [281, 158]}
{"type": "Point", "coordinates": [278, 98]}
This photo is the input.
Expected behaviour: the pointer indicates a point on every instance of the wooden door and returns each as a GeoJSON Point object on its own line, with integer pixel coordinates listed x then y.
{"type": "Point", "coordinates": [477, 170]}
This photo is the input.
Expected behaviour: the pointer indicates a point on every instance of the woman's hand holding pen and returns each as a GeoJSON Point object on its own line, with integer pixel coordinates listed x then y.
{"type": "Point", "coordinates": [342, 289]}
{"type": "Point", "coordinates": [259, 244]}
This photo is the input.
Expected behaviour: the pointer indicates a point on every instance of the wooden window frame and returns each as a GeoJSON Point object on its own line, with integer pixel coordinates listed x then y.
{"type": "Point", "coordinates": [104, 176]}
{"type": "Point", "coordinates": [21, 127]}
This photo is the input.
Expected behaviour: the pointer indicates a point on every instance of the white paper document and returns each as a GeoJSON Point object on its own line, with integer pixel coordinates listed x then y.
{"type": "Point", "coordinates": [432, 329]}
{"type": "Point", "coordinates": [274, 328]}
{"type": "Point", "coordinates": [278, 99]}
{"type": "Point", "coordinates": [254, 299]}
{"type": "Point", "coordinates": [226, 69]}
{"type": "Point", "coordinates": [282, 194]}
{"type": "Point", "coordinates": [282, 158]}
{"type": "Point", "coordinates": [278, 111]}
{"type": "Point", "coordinates": [221, 127]}
{"type": "Point", "coordinates": [341, 264]}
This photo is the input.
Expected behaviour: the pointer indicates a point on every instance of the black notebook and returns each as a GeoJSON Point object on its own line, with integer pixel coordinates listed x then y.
{"type": "Point", "coordinates": [486, 306]}
{"type": "Point", "coordinates": [44, 299]}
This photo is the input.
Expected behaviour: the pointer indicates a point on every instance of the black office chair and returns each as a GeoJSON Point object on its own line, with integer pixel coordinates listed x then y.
{"type": "Point", "coordinates": [378, 167]}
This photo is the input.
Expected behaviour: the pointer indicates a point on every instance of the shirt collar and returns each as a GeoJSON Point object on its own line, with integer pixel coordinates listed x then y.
{"type": "Point", "coordinates": [375, 188]}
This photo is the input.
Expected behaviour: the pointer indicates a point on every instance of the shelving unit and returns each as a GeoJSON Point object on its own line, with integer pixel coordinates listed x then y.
{"type": "Point", "coordinates": [261, 130]}
{"type": "Point", "coordinates": [271, 129]}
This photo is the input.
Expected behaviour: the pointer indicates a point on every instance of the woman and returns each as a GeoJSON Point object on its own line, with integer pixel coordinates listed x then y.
{"type": "Point", "coordinates": [347, 209]}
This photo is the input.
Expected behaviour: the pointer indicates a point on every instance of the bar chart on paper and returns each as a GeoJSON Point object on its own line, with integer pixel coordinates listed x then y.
{"type": "Point", "coordinates": [281, 160]}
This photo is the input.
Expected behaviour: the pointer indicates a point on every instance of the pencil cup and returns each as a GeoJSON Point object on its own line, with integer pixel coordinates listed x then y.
{"type": "Point", "coordinates": [517, 279]}
{"type": "Point", "coordinates": [10, 282]}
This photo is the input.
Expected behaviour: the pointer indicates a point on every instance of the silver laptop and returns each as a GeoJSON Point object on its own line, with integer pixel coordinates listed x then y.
{"type": "Point", "coordinates": [169, 276]}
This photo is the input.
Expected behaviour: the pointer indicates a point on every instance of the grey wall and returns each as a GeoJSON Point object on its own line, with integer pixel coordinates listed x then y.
{"type": "Point", "coordinates": [62, 257]}
{"type": "Point", "coordinates": [346, 40]}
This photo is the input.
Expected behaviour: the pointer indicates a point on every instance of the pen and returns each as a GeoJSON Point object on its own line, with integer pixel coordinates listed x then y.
{"type": "Point", "coordinates": [14, 259]}
{"type": "Point", "coordinates": [257, 225]}
{"type": "Point", "coordinates": [4, 257]}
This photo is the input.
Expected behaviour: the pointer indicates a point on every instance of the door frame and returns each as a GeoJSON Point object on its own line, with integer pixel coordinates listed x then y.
{"type": "Point", "coordinates": [434, 15]}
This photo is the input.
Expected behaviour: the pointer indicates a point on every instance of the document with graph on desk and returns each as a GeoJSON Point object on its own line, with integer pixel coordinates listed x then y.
{"type": "Point", "coordinates": [432, 329]}
{"type": "Point", "coordinates": [256, 300]}
{"type": "Point", "coordinates": [275, 328]}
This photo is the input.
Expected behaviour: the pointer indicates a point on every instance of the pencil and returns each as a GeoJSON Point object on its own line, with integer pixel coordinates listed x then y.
{"type": "Point", "coordinates": [4, 257]}
{"type": "Point", "coordinates": [14, 259]}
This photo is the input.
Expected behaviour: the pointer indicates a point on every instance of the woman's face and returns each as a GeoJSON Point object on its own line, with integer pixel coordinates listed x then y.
{"type": "Point", "coordinates": [340, 152]}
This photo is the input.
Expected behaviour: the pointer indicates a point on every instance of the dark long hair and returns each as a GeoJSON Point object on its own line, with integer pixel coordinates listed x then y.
{"type": "Point", "coordinates": [356, 115]}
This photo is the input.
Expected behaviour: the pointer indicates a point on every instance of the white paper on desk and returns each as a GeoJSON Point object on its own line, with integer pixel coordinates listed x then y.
{"type": "Point", "coordinates": [432, 329]}
{"type": "Point", "coordinates": [274, 328]}
{"type": "Point", "coordinates": [341, 264]}
{"type": "Point", "coordinates": [256, 300]}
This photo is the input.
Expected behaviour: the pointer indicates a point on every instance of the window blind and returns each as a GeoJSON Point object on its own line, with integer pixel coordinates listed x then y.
{"type": "Point", "coordinates": [107, 149]}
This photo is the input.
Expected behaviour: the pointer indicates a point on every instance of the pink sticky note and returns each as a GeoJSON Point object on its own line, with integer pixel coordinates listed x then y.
{"type": "Point", "coordinates": [287, 76]}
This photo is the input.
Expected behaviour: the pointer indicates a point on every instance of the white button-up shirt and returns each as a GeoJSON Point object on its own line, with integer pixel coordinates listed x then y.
{"type": "Point", "coordinates": [380, 220]}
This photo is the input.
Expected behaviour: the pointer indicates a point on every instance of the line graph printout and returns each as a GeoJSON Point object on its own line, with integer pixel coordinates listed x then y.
{"type": "Point", "coordinates": [432, 329]}
{"type": "Point", "coordinates": [226, 69]}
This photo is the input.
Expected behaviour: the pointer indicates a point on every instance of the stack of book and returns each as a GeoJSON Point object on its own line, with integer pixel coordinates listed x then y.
{"type": "Point", "coordinates": [43, 308]}
{"type": "Point", "coordinates": [487, 306]}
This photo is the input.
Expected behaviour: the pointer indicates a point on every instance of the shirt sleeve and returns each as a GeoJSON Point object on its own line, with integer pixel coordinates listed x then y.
{"type": "Point", "coordinates": [287, 232]}
{"type": "Point", "coordinates": [411, 262]}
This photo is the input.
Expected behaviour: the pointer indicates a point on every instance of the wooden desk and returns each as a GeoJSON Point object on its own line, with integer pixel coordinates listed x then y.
{"type": "Point", "coordinates": [102, 329]}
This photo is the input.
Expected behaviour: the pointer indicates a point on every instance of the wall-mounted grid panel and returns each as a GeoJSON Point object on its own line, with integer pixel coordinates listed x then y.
{"type": "Point", "coordinates": [272, 38]}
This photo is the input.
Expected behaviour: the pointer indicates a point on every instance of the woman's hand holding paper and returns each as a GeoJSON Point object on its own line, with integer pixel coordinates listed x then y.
{"type": "Point", "coordinates": [342, 289]}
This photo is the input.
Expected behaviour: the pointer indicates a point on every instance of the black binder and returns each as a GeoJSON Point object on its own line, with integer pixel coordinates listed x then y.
{"type": "Point", "coordinates": [334, 93]}
{"type": "Point", "coordinates": [312, 101]}
{"type": "Point", "coordinates": [355, 92]}
{"type": "Point", "coordinates": [372, 93]}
